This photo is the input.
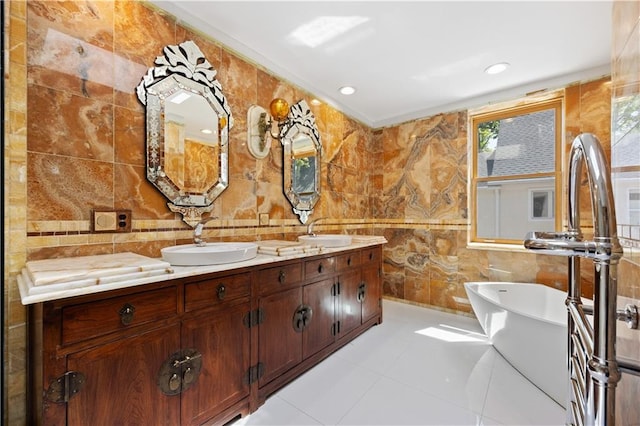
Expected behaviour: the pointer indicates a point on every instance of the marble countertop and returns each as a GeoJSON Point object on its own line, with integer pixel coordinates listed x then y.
{"type": "Point", "coordinates": [43, 281]}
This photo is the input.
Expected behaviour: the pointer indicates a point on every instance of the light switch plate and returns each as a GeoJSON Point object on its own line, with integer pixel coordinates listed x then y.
{"type": "Point", "coordinates": [264, 219]}
{"type": "Point", "coordinates": [108, 220]}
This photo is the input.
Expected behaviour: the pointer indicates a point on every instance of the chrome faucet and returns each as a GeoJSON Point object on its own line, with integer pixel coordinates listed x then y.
{"type": "Point", "coordinates": [310, 226]}
{"type": "Point", "coordinates": [197, 232]}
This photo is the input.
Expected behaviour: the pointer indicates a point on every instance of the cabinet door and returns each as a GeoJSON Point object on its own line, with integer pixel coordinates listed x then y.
{"type": "Point", "coordinates": [121, 381]}
{"type": "Point", "coordinates": [372, 293]}
{"type": "Point", "coordinates": [279, 345]}
{"type": "Point", "coordinates": [350, 309]}
{"type": "Point", "coordinates": [223, 342]}
{"type": "Point", "coordinates": [319, 332]}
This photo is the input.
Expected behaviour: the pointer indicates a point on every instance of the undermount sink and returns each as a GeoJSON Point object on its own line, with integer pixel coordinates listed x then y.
{"type": "Point", "coordinates": [326, 240]}
{"type": "Point", "coordinates": [209, 254]}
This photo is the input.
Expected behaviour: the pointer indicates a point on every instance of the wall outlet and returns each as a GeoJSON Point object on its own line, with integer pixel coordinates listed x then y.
{"type": "Point", "coordinates": [264, 219]}
{"type": "Point", "coordinates": [104, 220]}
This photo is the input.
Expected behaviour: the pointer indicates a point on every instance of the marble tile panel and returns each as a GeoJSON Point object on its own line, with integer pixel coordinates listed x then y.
{"type": "Point", "coordinates": [70, 47]}
{"type": "Point", "coordinates": [335, 179]}
{"type": "Point", "coordinates": [595, 111]}
{"type": "Point", "coordinates": [333, 124]}
{"type": "Point", "coordinates": [146, 248]}
{"type": "Point", "coordinates": [91, 22]}
{"type": "Point", "coordinates": [65, 124]}
{"type": "Point", "coordinates": [392, 149]}
{"type": "Point", "coordinates": [572, 114]}
{"type": "Point", "coordinates": [418, 240]}
{"type": "Point", "coordinates": [141, 32]}
{"type": "Point", "coordinates": [77, 68]}
{"type": "Point", "coordinates": [269, 199]}
{"type": "Point", "coordinates": [241, 202]}
{"type": "Point", "coordinates": [350, 206]}
{"type": "Point", "coordinates": [354, 181]}
{"type": "Point", "coordinates": [133, 191]}
{"type": "Point", "coordinates": [473, 265]}
{"type": "Point", "coordinates": [417, 287]}
{"type": "Point", "coordinates": [18, 9]}
{"type": "Point", "coordinates": [69, 251]}
{"type": "Point", "coordinates": [17, 91]}
{"type": "Point", "coordinates": [393, 282]}
{"type": "Point", "coordinates": [329, 205]}
{"type": "Point", "coordinates": [129, 136]}
{"type": "Point", "coordinates": [267, 86]}
{"type": "Point", "coordinates": [418, 180]}
{"type": "Point", "coordinates": [512, 266]}
{"type": "Point", "coordinates": [17, 37]}
{"type": "Point", "coordinates": [350, 153]}
{"type": "Point", "coordinates": [444, 242]}
{"type": "Point", "coordinates": [628, 281]}
{"type": "Point", "coordinates": [448, 293]}
{"type": "Point", "coordinates": [65, 188]}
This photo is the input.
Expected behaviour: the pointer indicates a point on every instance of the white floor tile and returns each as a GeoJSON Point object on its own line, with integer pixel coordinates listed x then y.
{"type": "Point", "coordinates": [393, 403]}
{"type": "Point", "coordinates": [276, 411]}
{"type": "Point", "coordinates": [514, 400]}
{"type": "Point", "coordinates": [378, 349]}
{"type": "Point", "coordinates": [330, 389]}
{"type": "Point", "coordinates": [457, 372]}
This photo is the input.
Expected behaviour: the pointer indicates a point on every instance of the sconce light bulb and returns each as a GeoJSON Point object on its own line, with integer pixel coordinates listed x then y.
{"type": "Point", "coordinates": [279, 109]}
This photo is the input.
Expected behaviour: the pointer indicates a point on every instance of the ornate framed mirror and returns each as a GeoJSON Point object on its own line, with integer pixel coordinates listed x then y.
{"type": "Point", "coordinates": [302, 152]}
{"type": "Point", "coordinates": [188, 123]}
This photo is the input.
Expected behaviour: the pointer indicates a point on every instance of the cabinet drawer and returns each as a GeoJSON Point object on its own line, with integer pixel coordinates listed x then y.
{"type": "Point", "coordinates": [319, 268]}
{"type": "Point", "coordinates": [347, 261]}
{"type": "Point", "coordinates": [216, 291]}
{"type": "Point", "coordinates": [279, 278]}
{"type": "Point", "coordinates": [92, 319]}
{"type": "Point", "coordinates": [372, 255]}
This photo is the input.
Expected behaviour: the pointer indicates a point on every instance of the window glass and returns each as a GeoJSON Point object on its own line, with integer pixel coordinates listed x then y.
{"type": "Point", "coordinates": [516, 172]}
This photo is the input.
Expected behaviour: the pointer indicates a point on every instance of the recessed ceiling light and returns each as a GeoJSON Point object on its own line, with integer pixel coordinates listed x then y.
{"type": "Point", "coordinates": [206, 131]}
{"type": "Point", "coordinates": [347, 90]}
{"type": "Point", "coordinates": [497, 68]}
{"type": "Point", "coordinates": [315, 101]}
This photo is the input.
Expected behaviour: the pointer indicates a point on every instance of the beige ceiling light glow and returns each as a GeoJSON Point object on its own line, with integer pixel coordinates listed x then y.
{"type": "Point", "coordinates": [324, 28]}
{"type": "Point", "coordinates": [347, 90]}
{"type": "Point", "coordinates": [497, 68]}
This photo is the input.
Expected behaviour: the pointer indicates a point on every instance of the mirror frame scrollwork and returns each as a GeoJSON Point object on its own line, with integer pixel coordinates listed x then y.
{"type": "Point", "coordinates": [300, 121]}
{"type": "Point", "coordinates": [183, 67]}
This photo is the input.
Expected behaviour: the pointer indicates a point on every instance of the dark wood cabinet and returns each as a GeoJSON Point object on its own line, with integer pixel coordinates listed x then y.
{"type": "Point", "coordinates": [222, 341]}
{"type": "Point", "coordinates": [279, 344]}
{"type": "Point", "coordinates": [318, 328]}
{"type": "Point", "coordinates": [119, 382]}
{"type": "Point", "coordinates": [197, 350]}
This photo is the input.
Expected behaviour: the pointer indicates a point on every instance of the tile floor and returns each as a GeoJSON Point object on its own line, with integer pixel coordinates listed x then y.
{"type": "Point", "coordinates": [419, 367]}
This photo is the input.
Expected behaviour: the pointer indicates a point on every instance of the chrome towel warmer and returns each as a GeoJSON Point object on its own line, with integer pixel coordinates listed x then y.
{"type": "Point", "coordinates": [594, 370]}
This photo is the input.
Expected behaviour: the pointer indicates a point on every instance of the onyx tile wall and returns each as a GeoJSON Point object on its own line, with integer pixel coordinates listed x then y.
{"type": "Point", "coordinates": [75, 140]}
{"type": "Point", "coordinates": [425, 203]}
{"type": "Point", "coordinates": [625, 154]}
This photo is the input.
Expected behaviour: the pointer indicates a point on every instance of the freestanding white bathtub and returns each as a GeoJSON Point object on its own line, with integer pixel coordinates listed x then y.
{"type": "Point", "coordinates": [527, 324]}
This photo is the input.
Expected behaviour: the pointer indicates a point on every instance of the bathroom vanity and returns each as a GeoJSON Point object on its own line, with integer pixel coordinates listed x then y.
{"type": "Point", "coordinates": [198, 346]}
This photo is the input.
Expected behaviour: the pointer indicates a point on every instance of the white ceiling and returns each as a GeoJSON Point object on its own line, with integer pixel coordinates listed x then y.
{"type": "Point", "coordinates": [418, 58]}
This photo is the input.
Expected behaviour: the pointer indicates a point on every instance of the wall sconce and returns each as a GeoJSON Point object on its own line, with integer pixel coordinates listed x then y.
{"type": "Point", "coordinates": [260, 126]}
